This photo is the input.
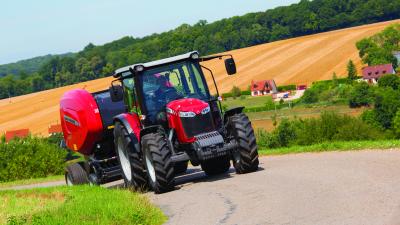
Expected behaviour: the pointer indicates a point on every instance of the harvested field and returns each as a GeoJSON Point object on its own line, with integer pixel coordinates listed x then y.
{"type": "Point", "coordinates": [293, 61]}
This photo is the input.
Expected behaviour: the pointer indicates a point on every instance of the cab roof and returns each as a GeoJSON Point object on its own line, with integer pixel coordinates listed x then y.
{"type": "Point", "coordinates": [157, 62]}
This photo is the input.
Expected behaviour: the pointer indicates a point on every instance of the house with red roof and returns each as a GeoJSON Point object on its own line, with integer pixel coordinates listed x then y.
{"type": "Point", "coordinates": [263, 87]}
{"type": "Point", "coordinates": [371, 74]}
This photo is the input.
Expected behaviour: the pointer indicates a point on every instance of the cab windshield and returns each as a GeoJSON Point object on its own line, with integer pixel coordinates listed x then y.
{"type": "Point", "coordinates": [176, 81]}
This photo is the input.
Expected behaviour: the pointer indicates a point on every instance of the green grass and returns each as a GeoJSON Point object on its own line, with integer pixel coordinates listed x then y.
{"type": "Point", "coordinates": [77, 205]}
{"type": "Point", "coordinates": [334, 146]}
{"type": "Point", "coordinates": [31, 181]}
{"type": "Point", "coordinates": [247, 101]}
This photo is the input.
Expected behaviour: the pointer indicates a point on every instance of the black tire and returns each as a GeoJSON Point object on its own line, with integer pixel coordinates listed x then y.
{"type": "Point", "coordinates": [159, 166]}
{"type": "Point", "coordinates": [245, 158]}
{"type": "Point", "coordinates": [181, 167]}
{"type": "Point", "coordinates": [75, 174]}
{"type": "Point", "coordinates": [216, 166]}
{"type": "Point", "coordinates": [132, 167]}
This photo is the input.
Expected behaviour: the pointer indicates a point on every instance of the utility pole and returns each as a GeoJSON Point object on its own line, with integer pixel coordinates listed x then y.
{"type": "Point", "coordinates": [9, 97]}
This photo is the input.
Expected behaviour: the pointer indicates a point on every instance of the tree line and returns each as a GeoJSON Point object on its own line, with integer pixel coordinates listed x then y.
{"type": "Point", "coordinates": [306, 17]}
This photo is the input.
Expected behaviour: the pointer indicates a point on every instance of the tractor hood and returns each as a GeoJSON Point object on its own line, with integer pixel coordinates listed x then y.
{"type": "Point", "coordinates": [193, 105]}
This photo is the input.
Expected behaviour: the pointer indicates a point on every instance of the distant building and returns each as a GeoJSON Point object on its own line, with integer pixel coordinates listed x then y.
{"type": "Point", "coordinates": [301, 87]}
{"type": "Point", "coordinates": [371, 74]}
{"type": "Point", "coordinates": [16, 134]}
{"type": "Point", "coordinates": [263, 87]}
{"type": "Point", "coordinates": [54, 129]}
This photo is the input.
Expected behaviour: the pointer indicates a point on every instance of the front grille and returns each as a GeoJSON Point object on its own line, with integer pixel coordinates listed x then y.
{"type": "Point", "coordinates": [197, 125]}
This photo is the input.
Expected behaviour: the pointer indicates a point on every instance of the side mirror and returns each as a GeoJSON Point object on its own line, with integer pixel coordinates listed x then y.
{"type": "Point", "coordinates": [116, 93]}
{"type": "Point", "coordinates": [230, 66]}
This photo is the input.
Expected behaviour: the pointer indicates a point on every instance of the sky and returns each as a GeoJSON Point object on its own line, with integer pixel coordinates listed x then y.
{"type": "Point", "coordinates": [40, 27]}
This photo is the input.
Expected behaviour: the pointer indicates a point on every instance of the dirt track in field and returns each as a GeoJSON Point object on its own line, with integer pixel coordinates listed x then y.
{"type": "Point", "coordinates": [324, 188]}
{"type": "Point", "coordinates": [293, 61]}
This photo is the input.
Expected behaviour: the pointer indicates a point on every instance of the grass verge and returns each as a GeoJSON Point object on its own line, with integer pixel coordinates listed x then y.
{"type": "Point", "coordinates": [334, 146]}
{"type": "Point", "coordinates": [31, 181]}
{"type": "Point", "coordinates": [77, 205]}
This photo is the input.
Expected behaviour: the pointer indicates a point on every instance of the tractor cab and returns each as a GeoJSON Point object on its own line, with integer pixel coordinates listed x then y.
{"type": "Point", "coordinates": [177, 85]}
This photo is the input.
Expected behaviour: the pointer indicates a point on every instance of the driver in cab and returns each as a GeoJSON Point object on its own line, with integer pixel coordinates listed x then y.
{"type": "Point", "coordinates": [162, 93]}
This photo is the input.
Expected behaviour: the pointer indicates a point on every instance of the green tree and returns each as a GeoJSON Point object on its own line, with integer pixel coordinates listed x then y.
{"type": "Point", "coordinates": [387, 103]}
{"type": "Point", "coordinates": [351, 71]}
{"type": "Point", "coordinates": [396, 123]}
{"type": "Point", "coordinates": [390, 80]}
{"type": "Point", "coordinates": [361, 95]}
{"type": "Point", "coordinates": [236, 92]}
{"type": "Point", "coordinates": [335, 81]}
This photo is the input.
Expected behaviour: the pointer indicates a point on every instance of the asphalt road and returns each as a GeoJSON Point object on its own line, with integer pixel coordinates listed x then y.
{"type": "Point", "coordinates": [324, 188]}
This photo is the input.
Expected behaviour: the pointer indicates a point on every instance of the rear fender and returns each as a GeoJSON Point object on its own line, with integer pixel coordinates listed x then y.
{"type": "Point", "coordinates": [232, 112]}
{"type": "Point", "coordinates": [132, 124]}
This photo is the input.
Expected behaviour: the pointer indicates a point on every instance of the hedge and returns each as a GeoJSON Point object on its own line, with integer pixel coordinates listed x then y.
{"type": "Point", "coordinates": [30, 157]}
{"type": "Point", "coordinates": [290, 87]}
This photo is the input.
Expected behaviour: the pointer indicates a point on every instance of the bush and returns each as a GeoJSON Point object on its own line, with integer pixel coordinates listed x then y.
{"type": "Point", "coordinates": [370, 117]}
{"type": "Point", "coordinates": [285, 133]}
{"type": "Point", "coordinates": [361, 95]}
{"type": "Point", "coordinates": [331, 91]}
{"type": "Point", "coordinates": [236, 92]}
{"type": "Point", "coordinates": [30, 158]}
{"type": "Point", "coordinates": [387, 103]}
{"type": "Point", "coordinates": [328, 127]}
{"type": "Point", "coordinates": [396, 123]}
{"type": "Point", "coordinates": [290, 87]}
{"type": "Point", "coordinates": [310, 96]}
{"type": "Point", "coordinates": [247, 92]}
{"type": "Point", "coordinates": [226, 95]}
{"type": "Point", "coordinates": [390, 80]}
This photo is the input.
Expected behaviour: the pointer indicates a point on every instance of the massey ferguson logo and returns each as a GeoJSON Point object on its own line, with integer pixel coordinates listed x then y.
{"type": "Point", "coordinates": [70, 120]}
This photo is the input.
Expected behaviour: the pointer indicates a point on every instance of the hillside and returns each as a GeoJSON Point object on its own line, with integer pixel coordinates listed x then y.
{"type": "Point", "coordinates": [296, 20]}
{"type": "Point", "coordinates": [28, 65]}
{"type": "Point", "coordinates": [293, 61]}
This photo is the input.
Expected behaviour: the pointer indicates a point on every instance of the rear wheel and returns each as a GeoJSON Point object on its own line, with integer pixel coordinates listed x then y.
{"type": "Point", "coordinates": [75, 174]}
{"type": "Point", "coordinates": [245, 157]}
{"type": "Point", "coordinates": [159, 166]}
{"type": "Point", "coordinates": [129, 157]}
{"type": "Point", "coordinates": [216, 166]}
{"type": "Point", "coordinates": [180, 167]}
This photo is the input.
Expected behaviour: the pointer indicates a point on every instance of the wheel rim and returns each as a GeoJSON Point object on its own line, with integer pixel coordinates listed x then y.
{"type": "Point", "coordinates": [69, 180]}
{"type": "Point", "coordinates": [123, 158]}
{"type": "Point", "coordinates": [150, 169]}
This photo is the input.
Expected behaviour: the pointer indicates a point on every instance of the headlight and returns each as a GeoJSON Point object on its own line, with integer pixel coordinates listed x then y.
{"type": "Point", "coordinates": [205, 110]}
{"type": "Point", "coordinates": [187, 114]}
{"type": "Point", "coordinates": [195, 56]}
{"type": "Point", "coordinates": [170, 111]}
{"type": "Point", "coordinates": [139, 68]}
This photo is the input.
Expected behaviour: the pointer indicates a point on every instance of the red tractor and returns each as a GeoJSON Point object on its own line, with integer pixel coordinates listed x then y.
{"type": "Point", "coordinates": [153, 120]}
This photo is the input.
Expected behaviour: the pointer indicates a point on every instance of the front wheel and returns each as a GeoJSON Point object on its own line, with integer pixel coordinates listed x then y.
{"type": "Point", "coordinates": [129, 158]}
{"type": "Point", "coordinates": [245, 157]}
{"type": "Point", "coordinates": [216, 166]}
{"type": "Point", "coordinates": [159, 166]}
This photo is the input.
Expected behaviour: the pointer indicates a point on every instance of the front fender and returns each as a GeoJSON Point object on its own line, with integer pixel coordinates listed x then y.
{"type": "Point", "coordinates": [131, 122]}
{"type": "Point", "coordinates": [231, 112]}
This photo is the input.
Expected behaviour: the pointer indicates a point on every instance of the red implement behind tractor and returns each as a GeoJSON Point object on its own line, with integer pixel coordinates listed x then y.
{"type": "Point", "coordinates": [154, 119]}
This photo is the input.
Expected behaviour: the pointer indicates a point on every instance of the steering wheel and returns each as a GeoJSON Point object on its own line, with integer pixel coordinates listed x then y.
{"type": "Point", "coordinates": [171, 94]}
